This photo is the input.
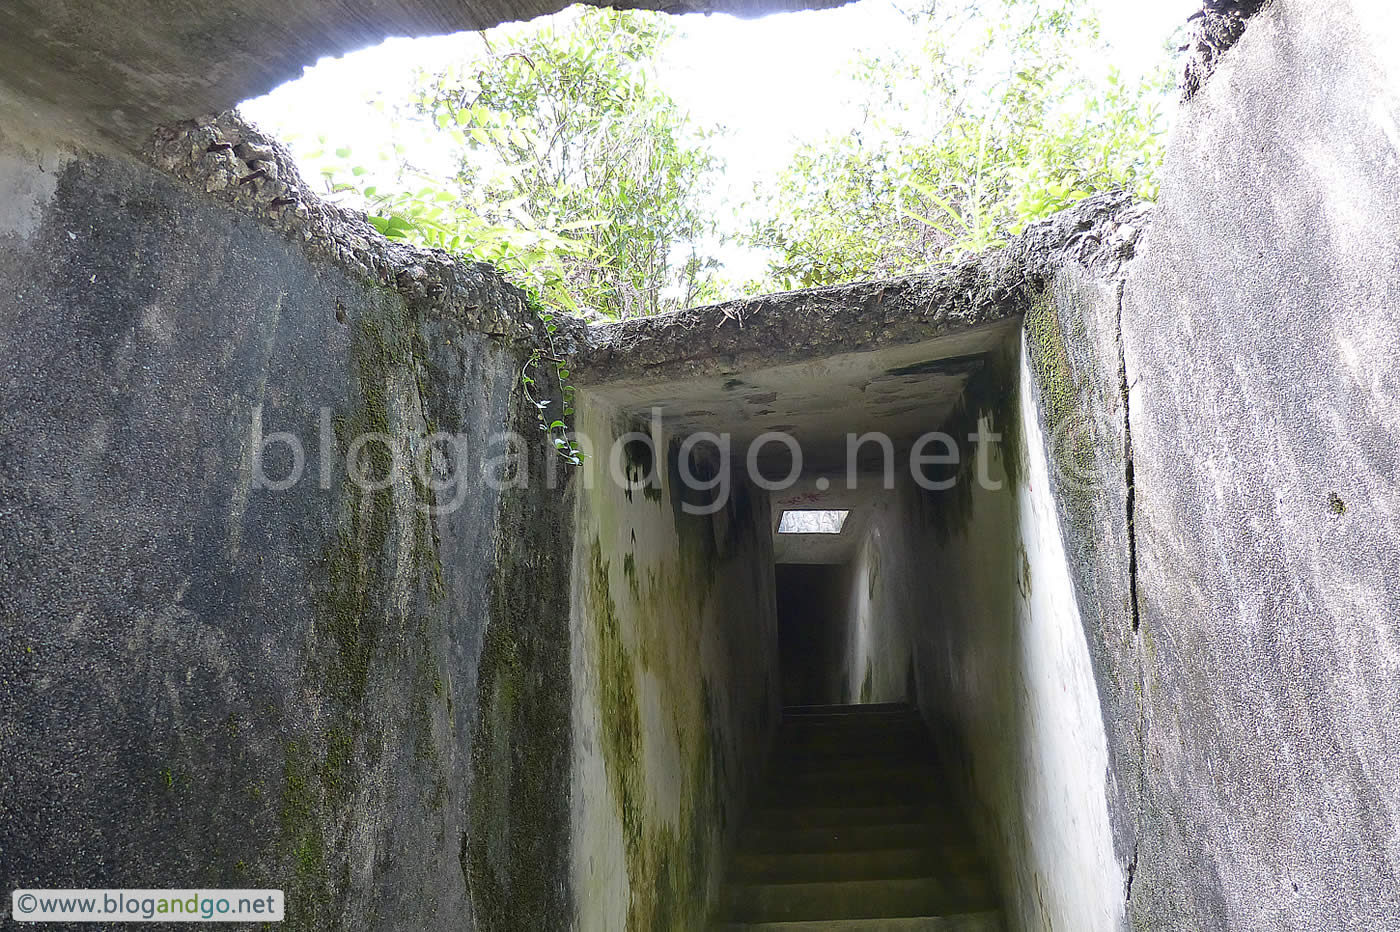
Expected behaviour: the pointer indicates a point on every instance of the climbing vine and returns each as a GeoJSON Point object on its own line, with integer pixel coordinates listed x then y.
{"type": "Point", "coordinates": [555, 428]}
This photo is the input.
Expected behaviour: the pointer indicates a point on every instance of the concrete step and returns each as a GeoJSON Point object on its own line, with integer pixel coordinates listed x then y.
{"type": "Point", "coordinates": [832, 739]}
{"type": "Point", "coordinates": [826, 814]}
{"type": "Point", "coordinates": [966, 922]}
{"type": "Point", "coordinates": [833, 838]}
{"type": "Point", "coordinates": [794, 759]}
{"type": "Point", "coordinates": [935, 828]}
{"type": "Point", "coordinates": [854, 899]}
{"type": "Point", "coordinates": [849, 722]}
{"type": "Point", "coordinates": [840, 719]}
{"type": "Point", "coordinates": [866, 708]}
{"type": "Point", "coordinates": [854, 794]}
{"type": "Point", "coordinates": [874, 864]}
{"type": "Point", "coordinates": [855, 828]}
{"type": "Point", "coordinates": [839, 752]}
{"type": "Point", "coordinates": [834, 774]}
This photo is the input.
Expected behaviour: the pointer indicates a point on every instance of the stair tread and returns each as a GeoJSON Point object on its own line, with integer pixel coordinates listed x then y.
{"type": "Point", "coordinates": [869, 864]}
{"type": "Point", "coordinates": [987, 921]}
{"type": "Point", "coordinates": [855, 828]}
{"type": "Point", "coordinates": [858, 708]}
{"type": "Point", "coordinates": [923, 813]}
{"type": "Point", "coordinates": [849, 838]}
{"type": "Point", "coordinates": [856, 899]}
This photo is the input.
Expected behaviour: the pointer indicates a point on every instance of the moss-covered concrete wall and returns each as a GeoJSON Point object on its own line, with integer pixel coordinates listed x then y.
{"type": "Point", "coordinates": [225, 664]}
{"type": "Point", "coordinates": [675, 681]}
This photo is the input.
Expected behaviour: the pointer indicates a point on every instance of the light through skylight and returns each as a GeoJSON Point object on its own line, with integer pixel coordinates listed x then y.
{"type": "Point", "coordinates": [812, 522]}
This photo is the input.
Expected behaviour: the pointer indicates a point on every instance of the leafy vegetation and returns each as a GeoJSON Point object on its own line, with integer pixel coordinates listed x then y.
{"type": "Point", "coordinates": [996, 122]}
{"type": "Point", "coordinates": [570, 169]}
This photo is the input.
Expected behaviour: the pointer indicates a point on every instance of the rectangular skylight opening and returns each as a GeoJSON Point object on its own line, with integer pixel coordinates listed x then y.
{"type": "Point", "coordinates": [812, 522]}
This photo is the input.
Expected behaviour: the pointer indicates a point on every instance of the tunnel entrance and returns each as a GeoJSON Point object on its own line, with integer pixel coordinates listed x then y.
{"type": "Point", "coordinates": [850, 804]}
{"type": "Point", "coordinates": [889, 649]}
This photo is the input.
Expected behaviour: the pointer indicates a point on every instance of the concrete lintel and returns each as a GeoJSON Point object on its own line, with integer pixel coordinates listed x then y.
{"type": "Point", "coordinates": [796, 326]}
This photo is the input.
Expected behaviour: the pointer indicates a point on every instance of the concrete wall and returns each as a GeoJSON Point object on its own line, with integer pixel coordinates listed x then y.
{"type": "Point", "coordinates": [883, 602]}
{"type": "Point", "coordinates": [208, 682]}
{"type": "Point", "coordinates": [1006, 680]}
{"type": "Point", "coordinates": [1261, 327]}
{"type": "Point", "coordinates": [675, 673]}
{"type": "Point", "coordinates": [963, 600]}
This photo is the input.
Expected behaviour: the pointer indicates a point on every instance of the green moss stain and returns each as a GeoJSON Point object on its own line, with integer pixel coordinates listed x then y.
{"type": "Point", "coordinates": [656, 633]}
{"type": "Point", "coordinates": [664, 868]}
{"type": "Point", "coordinates": [990, 401]}
{"type": "Point", "coordinates": [617, 701]}
{"type": "Point", "coordinates": [301, 823]}
{"type": "Point", "coordinates": [514, 855]}
{"type": "Point", "coordinates": [356, 620]}
{"type": "Point", "coordinates": [1068, 425]}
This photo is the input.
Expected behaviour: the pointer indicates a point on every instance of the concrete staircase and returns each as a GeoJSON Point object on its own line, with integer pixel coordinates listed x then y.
{"type": "Point", "coordinates": [853, 831]}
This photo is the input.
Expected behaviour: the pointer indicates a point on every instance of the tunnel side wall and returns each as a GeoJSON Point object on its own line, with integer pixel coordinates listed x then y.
{"type": "Point", "coordinates": [971, 595]}
{"type": "Point", "coordinates": [882, 599]}
{"type": "Point", "coordinates": [209, 682]}
{"type": "Point", "coordinates": [676, 681]}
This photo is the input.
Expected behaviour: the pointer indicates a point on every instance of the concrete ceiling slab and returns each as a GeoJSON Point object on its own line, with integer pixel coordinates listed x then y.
{"type": "Point", "coordinates": [900, 391]}
{"type": "Point", "coordinates": [887, 356]}
{"type": "Point", "coordinates": [122, 67]}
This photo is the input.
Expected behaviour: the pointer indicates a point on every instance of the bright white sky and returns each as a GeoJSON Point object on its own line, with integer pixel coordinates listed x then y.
{"type": "Point", "coordinates": [774, 82]}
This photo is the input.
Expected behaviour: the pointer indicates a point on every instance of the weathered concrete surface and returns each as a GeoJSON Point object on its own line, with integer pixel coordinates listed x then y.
{"type": "Point", "coordinates": [1075, 356]}
{"type": "Point", "coordinates": [882, 607]}
{"type": "Point", "coordinates": [901, 391]}
{"type": "Point", "coordinates": [772, 330]}
{"type": "Point", "coordinates": [209, 682]}
{"type": "Point", "coordinates": [675, 679]}
{"type": "Point", "coordinates": [1005, 675]}
{"type": "Point", "coordinates": [250, 172]}
{"type": "Point", "coordinates": [122, 67]}
{"type": "Point", "coordinates": [1216, 29]}
{"type": "Point", "coordinates": [1262, 332]}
